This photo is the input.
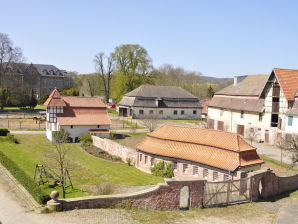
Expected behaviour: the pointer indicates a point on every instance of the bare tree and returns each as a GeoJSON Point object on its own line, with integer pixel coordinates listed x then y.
{"type": "Point", "coordinates": [151, 123]}
{"type": "Point", "coordinates": [105, 68]}
{"type": "Point", "coordinates": [288, 143]}
{"type": "Point", "coordinates": [252, 134]}
{"type": "Point", "coordinates": [59, 157]}
{"type": "Point", "coordinates": [280, 142]}
{"type": "Point", "coordinates": [9, 55]}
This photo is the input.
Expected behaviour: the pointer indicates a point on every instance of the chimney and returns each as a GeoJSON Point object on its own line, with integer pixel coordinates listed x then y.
{"type": "Point", "coordinates": [235, 80]}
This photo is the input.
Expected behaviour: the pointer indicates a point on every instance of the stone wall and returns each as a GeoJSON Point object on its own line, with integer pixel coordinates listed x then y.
{"type": "Point", "coordinates": [163, 196]}
{"type": "Point", "coordinates": [115, 148]}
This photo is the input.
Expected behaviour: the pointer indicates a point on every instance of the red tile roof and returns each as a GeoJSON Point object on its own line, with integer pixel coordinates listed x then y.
{"type": "Point", "coordinates": [288, 80]}
{"type": "Point", "coordinates": [82, 101]}
{"type": "Point", "coordinates": [55, 100]}
{"type": "Point", "coordinates": [219, 149]}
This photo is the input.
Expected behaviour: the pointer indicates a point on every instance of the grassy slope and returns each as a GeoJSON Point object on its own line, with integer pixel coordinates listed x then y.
{"type": "Point", "coordinates": [87, 170]}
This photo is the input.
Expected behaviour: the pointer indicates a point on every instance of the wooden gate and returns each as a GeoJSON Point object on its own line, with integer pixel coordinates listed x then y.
{"type": "Point", "coordinates": [227, 192]}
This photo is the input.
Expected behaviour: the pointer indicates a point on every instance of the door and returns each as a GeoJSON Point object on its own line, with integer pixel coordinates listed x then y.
{"type": "Point", "coordinates": [267, 136]}
{"type": "Point", "coordinates": [211, 124]}
{"type": "Point", "coordinates": [240, 129]}
{"type": "Point", "coordinates": [220, 125]}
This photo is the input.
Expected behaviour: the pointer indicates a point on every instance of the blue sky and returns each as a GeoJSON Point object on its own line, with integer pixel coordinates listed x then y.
{"type": "Point", "coordinates": [218, 38]}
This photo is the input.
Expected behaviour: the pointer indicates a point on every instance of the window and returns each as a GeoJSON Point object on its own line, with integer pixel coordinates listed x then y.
{"type": "Point", "coordinates": [161, 112]}
{"type": "Point", "coordinates": [205, 173]}
{"type": "Point", "coordinates": [175, 112]}
{"type": "Point", "coordinates": [195, 171]}
{"type": "Point", "coordinates": [194, 112]}
{"type": "Point", "coordinates": [146, 159]}
{"type": "Point", "coordinates": [221, 112]}
{"type": "Point", "coordinates": [215, 175]}
{"type": "Point", "coordinates": [242, 114]}
{"type": "Point", "coordinates": [151, 111]}
{"type": "Point", "coordinates": [226, 177]}
{"type": "Point", "coordinates": [175, 166]}
{"type": "Point", "coordinates": [290, 120]}
{"type": "Point", "coordinates": [182, 112]}
{"type": "Point", "coordinates": [140, 157]}
{"type": "Point", "coordinates": [152, 161]}
{"type": "Point", "coordinates": [71, 126]}
{"type": "Point", "coordinates": [260, 116]}
{"type": "Point", "coordinates": [141, 111]}
{"type": "Point", "coordinates": [185, 168]}
{"type": "Point", "coordinates": [97, 126]}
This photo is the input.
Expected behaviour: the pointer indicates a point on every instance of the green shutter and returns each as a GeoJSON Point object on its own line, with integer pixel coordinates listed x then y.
{"type": "Point", "coordinates": [290, 120]}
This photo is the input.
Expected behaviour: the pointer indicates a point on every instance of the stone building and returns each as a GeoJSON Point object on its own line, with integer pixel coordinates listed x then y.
{"type": "Point", "coordinates": [42, 78]}
{"type": "Point", "coordinates": [76, 115]}
{"type": "Point", "coordinates": [162, 102]}
{"type": "Point", "coordinates": [195, 152]}
{"type": "Point", "coordinates": [255, 104]}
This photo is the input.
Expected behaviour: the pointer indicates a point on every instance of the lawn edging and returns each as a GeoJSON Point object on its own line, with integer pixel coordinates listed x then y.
{"type": "Point", "coordinates": [277, 163]}
{"type": "Point", "coordinates": [25, 183]}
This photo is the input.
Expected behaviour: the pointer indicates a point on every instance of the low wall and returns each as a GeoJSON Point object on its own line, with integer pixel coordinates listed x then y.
{"type": "Point", "coordinates": [162, 196]}
{"type": "Point", "coordinates": [115, 149]}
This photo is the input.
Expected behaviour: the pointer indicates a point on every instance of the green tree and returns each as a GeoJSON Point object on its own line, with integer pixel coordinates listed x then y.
{"type": "Point", "coordinates": [4, 96]}
{"type": "Point", "coordinates": [133, 68]}
{"type": "Point", "coordinates": [163, 169]}
{"type": "Point", "coordinates": [210, 91]}
{"type": "Point", "coordinates": [33, 100]}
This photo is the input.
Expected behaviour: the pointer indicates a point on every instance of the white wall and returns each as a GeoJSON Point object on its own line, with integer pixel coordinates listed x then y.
{"type": "Point", "coordinates": [294, 127]}
{"type": "Point", "coordinates": [168, 113]}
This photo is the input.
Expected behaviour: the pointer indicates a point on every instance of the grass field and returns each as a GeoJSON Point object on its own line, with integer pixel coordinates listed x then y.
{"type": "Point", "coordinates": [38, 107]}
{"type": "Point", "coordinates": [87, 170]}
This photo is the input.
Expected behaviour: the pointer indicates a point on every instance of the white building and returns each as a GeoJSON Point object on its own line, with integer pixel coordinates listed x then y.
{"type": "Point", "coordinates": [291, 125]}
{"type": "Point", "coordinates": [76, 115]}
{"type": "Point", "coordinates": [255, 104]}
{"type": "Point", "coordinates": [162, 102]}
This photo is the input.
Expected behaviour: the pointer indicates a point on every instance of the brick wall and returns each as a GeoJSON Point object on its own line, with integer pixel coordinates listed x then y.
{"type": "Point", "coordinates": [115, 149]}
{"type": "Point", "coordinates": [162, 196]}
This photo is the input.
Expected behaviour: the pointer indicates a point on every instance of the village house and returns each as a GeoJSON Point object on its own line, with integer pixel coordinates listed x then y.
{"type": "Point", "coordinates": [196, 152]}
{"type": "Point", "coordinates": [76, 115]}
{"type": "Point", "coordinates": [255, 105]}
{"type": "Point", "coordinates": [292, 118]}
{"type": "Point", "coordinates": [43, 79]}
{"type": "Point", "coordinates": [162, 102]}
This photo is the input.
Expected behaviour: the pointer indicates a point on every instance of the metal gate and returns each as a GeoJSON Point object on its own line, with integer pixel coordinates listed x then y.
{"type": "Point", "coordinates": [227, 192]}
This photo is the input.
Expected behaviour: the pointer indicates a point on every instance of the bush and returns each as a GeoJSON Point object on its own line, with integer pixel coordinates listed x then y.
{"type": "Point", "coordinates": [163, 169]}
{"type": "Point", "coordinates": [4, 132]}
{"type": "Point", "coordinates": [86, 139]}
{"type": "Point", "coordinates": [12, 139]}
{"type": "Point", "coordinates": [28, 183]}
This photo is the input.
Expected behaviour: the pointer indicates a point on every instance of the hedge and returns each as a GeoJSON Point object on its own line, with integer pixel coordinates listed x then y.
{"type": "Point", "coordinates": [28, 183]}
{"type": "Point", "coordinates": [4, 131]}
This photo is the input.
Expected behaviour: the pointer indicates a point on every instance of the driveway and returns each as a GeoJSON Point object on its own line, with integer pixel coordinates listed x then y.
{"type": "Point", "coordinates": [288, 214]}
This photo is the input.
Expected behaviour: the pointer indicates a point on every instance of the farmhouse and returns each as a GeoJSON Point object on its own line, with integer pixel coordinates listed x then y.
{"type": "Point", "coordinates": [162, 102]}
{"type": "Point", "coordinates": [255, 104]}
{"type": "Point", "coordinates": [76, 115]}
{"type": "Point", "coordinates": [292, 117]}
{"type": "Point", "coordinates": [43, 79]}
{"type": "Point", "coordinates": [196, 152]}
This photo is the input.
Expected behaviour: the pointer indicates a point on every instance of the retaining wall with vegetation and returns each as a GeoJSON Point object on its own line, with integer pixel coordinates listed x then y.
{"type": "Point", "coordinates": [115, 149]}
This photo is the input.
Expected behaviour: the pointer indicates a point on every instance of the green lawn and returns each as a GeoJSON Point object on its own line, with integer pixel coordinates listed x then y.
{"type": "Point", "coordinates": [87, 170]}
{"type": "Point", "coordinates": [38, 107]}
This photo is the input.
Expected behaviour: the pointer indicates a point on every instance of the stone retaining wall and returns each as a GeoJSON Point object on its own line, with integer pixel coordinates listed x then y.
{"type": "Point", "coordinates": [115, 149]}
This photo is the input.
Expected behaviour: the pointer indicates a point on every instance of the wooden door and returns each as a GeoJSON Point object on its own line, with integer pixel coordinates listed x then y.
{"type": "Point", "coordinates": [267, 136]}
{"type": "Point", "coordinates": [211, 124]}
{"type": "Point", "coordinates": [240, 129]}
{"type": "Point", "coordinates": [220, 125]}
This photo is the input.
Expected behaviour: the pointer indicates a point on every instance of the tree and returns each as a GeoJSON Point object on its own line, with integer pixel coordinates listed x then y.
{"type": "Point", "coordinates": [33, 100]}
{"type": "Point", "coordinates": [105, 66]}
{"type": "Point", "coordinates": [60, 156]}
{"type": "Point", "coordinates": [151, 123]}
{"type": "Point", "coordinates": [9, 55]}
{"type": "Point", "coordinates": [289, 143]}
{"type": "Point", "coordinates": [4, 96]}
{"type": "Point", "coordinates": [133, 67]}
{"type": "Point", "coordinates": [252, 134]}
{"type": "Point", "coordinates": [210, 91]}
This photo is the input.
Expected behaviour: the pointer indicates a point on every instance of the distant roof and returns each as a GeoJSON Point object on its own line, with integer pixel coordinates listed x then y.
{"type": "Point", "coordinates": [233, 103]}
{"type": "Point", "coordinates": [205, 104]}
{"type": "Point", "coordinates": [251, 85]}
{"type": "Point", "coordinates": [160, 92]}
{"type": "Point", "coordinates": [82, 101]}
{"type": "Point", "coordinates": [288, 80]}
{"type": "Point", "coordinates": [215, 148]}
{"type": "Point", "coordinates": [294, 109]}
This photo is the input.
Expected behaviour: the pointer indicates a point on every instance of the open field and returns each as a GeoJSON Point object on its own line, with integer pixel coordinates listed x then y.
{"type": "Point", "coordinates": [21, 123]}
{"type": "Point", "coordinates": [38, 107]}
{"type": "Point", "coordinates": [88, 171]}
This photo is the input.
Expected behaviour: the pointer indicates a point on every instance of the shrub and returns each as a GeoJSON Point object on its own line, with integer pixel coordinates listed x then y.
{"type": "Point", "coordinates": [86, 139]}
{"type": "Point", "coordinates": [12, 139]}
{"type": "Point", "coordinates": [4, 132]}
{"type": "Point", "coordinates": [28, 183]}
{"type": "Point", "coordinates": [128, 161]}
{"type": "Point", "coordinates": [163, 169]}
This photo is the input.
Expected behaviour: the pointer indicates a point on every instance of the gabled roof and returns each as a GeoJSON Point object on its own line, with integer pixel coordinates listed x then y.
{"type": "Point", "coordinates": [160, 92]}
{"type": "Point", "coordinates": [215, 148]}
{"type": "Point", "coordinates": [251, 85]}
{"type": "Point", "coordinates": [82, 101]}
{"type": "Point", "coordinates": [294, 109]}
{"type": "Point", "coordinates": [55, 100]}
{"type": "Point", "coordinates": [288, 80]}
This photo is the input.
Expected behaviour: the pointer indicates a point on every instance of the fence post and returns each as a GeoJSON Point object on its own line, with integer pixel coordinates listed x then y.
{"type": "Point", "coordinates": [228, 191]}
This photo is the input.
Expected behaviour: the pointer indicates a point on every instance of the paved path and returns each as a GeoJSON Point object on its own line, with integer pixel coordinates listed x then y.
{"type": "Point", "coordinates": [273, 152]}
{"type": "Point", "coordinates": [28, 132]}
{"type": "Point", "coordinates": [288, 214]}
